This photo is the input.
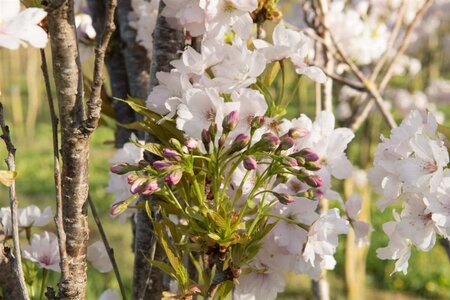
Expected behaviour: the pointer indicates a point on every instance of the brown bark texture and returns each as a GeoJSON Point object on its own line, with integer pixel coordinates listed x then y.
{"type": "Point", "coordinates": [148, 282]}
{"type": "Point", "coordinates": [74, 148]}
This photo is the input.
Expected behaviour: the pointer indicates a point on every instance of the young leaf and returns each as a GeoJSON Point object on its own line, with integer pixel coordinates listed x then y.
{"type": "Point", "coordinates": [7, 177]}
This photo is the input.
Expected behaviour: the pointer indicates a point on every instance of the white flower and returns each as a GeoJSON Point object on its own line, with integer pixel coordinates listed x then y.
{"type": "Point", "coordinates": [261, 283]}
{"type": "Point", "coordinates": [289, 234]}
{"type": "Point", "coordinates": [43, 250]}
{"type": "Point", "coordinates": [323, 238]}
{"type": "Point", "coordinates": [188, 13]}
{"type": "Point", "coordinates": [398, 248]}
{"type": "Point", "coordinates": [109, 294]}
{"type": "Point", "coordinates": [97, 255]}
{"type": "Point", "coordinates": [27, 217]}
{"type": "Point", "coordinates": [20, 28]}
{"type": "Point", "coordinates": [362, 229]}
{"type": "Point", "coordinates": [143, 19]}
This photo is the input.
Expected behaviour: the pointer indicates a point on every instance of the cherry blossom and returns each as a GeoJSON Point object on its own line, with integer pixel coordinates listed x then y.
{"type": "Point", "coordinates": [21, 28]}
{"type": "Point", "coordinates": [43, 250]}
{"type": "Point", "coordinates": [97, 255]}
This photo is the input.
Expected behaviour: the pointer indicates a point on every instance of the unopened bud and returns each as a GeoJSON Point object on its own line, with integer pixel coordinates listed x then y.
{"type": "Point", "coordinates": [162, 165]}
{"type": "Point", "coordinates": [173, 177]}
{"type": "Point", "coordinates": [171, 154]}
{"type": "Point", "coordinates": [132, 178]}
{"type": "Point", "coordinates": [191, 143]}
{"type": "Point", "coordinates": [284, 198]}
{"type": "Point", "coordinates": [250, 163]}
{"type": "Point", "coordinates": [286, 143]}
{"type": "Point", "coordinates": [309, 154]}
{"type": "Point", "coordinates": [122, 168]}
{"type": "Point", "coordinates": [240, 142]}
{"type": "Point", "coordinates": [290, 161]}
{"type": "Point", "coordinates": [230, 121]}
{"type": "Point", "coordinates": [313, 181]}
{"type": "Point", "coordinates": [138, 185]}
{"type": "Point", "coordinates": [257, 122]}
{"type": "Point", "coordinates": [212, 131]}
{"type": "Point", "coordinates": [206, 139]}
{"type": "Point", "coordinates": [296, 132]}
{"type": "Point", "coordinates": [175, 143]}
{"type": "Point", "coordinates": [222, 139]}
{"type": "Point", "coordinates": [268, 142]}
{"type": "Point", "coordinates": [312, 166]}
{"type": "Point", "coordinates": [151, 187]}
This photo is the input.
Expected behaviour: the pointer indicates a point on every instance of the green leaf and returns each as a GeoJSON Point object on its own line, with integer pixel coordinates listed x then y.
{"type": "Point", "coordinates": [153, 148]}
{"type": "Point", "coordinates": [214, 236]}
{"type": "Point", "coordinates": [7, 177]}
{"type": "Point", "coordinates": [218, 220]}
{"type": "Point", "coordinates": [163, 267]}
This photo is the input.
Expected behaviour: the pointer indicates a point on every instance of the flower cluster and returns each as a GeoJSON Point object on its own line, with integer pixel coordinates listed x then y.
{"type": "Point", "coordinates": [411, 167]}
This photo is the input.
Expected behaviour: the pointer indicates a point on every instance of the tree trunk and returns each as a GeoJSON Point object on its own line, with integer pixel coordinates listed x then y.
{"type": "Point", "coordinates": [74, 147]}
{"type": "Point", "coordinates": [147, 281]}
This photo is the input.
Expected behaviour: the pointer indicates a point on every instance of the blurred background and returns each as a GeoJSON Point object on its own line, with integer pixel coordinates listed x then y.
{"type": "Point", "coordinates": [422, 81]}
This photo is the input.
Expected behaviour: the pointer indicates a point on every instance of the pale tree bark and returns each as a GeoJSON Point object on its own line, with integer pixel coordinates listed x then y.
{"type": "Point", "coordinates": [148, 281]}
{"type": "Point", "coordinates": [76, 127]}
{"type": "Point", "coordinates": [9, 281]}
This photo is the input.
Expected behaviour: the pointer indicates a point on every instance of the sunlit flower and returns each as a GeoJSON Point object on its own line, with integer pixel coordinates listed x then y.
{"type": "Point", "coordinates": [43, 250]}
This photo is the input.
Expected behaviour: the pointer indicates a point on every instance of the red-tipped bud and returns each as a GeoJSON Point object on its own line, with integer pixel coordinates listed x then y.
{"type": "Point", "coordinates": [257, 122]}
{"type": "Point", "coordinates": [296, 132]}
{"type": "Point", "coordinates": [173, 177]}
{"type": "Point", "coordinates": [286, 143]}
{"type": "Point", "coordinates": [162, 165]}
{"type": "Point", "coordinates": [284, 198]}
{"type": "Point", "coordinates": [230, 121]}
{"type": "Point", "coordinates": [268, 142]}
{"type": "Point", "coordinates": [240, 142]}
{"type": "Point", "coordinates": [312, 165]}
{"type": "Point", "coordinates": [191, 143]}
{"type": "Point", "coordinates": [151, 187]}
{"type": "Point", "coordinates": [171, 154]}
{"type": "Point", "coordinates": [250, 162]}
{"type": "Point", "coordinates": [313, 181]}
{"type": "Point", "coordinates": [118, 208]}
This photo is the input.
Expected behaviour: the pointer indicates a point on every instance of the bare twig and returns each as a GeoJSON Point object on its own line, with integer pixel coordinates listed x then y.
{"type": "Point", "coordinates": [369, 85]}
{"type": "Point", "coordinates": [56, 169]}
{"type": "Point", "coordinates": [14, 203]}
{"type": "Point", "coordinates": [94, 102]}
{"type": "Point", "coordinates": [109, 250]}
{"type": "Point", "coordinates": [365, 108]}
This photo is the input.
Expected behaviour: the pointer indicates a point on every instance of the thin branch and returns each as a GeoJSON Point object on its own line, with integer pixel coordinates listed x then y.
{"type": "Point", "coordinates": [369, 85]}
{"type": "Point", "coordinates": [94, 103]}
{"type": "Point", "coordinates": [354, 85]}
{"type": "Point", "coordinates": [365, 107]}
{"type": "Point", "coordinates": [14, 203]}
{"type": "Point", "coordinates": [109, 250]}
{"type": "Point", "coordinates": [56, 170]}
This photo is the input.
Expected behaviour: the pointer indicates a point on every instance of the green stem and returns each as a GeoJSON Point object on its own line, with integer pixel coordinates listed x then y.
{"type": "Point", "coordinates": [283, 83]}
{"type": "Point", "coordinates": [44, 283]}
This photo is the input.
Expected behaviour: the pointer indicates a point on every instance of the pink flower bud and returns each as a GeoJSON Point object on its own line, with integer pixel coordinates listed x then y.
{"type": "Point", "coordinates": [309, 154]}
{"type": "Point", "coordinates": [191, 143]}
{"type": "Point", "coordinates": [162, 165]}
{"type": "Point", "coordinates": [296, 132]}
{"type": "Point", "coordinates": [268, 142]}
{"type": "Point", "coordinates": [173, 177]}
{"type": "Point", "coordinates": [123, 168]}
{"type": "Point", "coordinates": [292, 162]}
{"type": "Point", "coordinates": [171, 154]}
{"type": "Point", "coordinates": [230, 121]}
{"type": "Point", "coordinates": [212, 131]}
{"type": "Point", "coordinates": [151, 187]}
{"type": "Point", "coordinates": [118, 208]}
{"type": "Point", "coordinates": [138, 185]}
{"type": "Point", "coordinates": [250, 162]}
{"type": "Point", "coordinates": [132, 178]}
{"type": "Point", "coordinates": [240, 142]}
{"type": "Point", "coordinates": [284, 198]}
{"type": "Point", "coordinates": [313, 181]}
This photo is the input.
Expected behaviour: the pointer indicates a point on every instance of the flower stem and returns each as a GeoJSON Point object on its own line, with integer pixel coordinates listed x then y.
{"type": "Point", "coordinates": [44, 283]}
